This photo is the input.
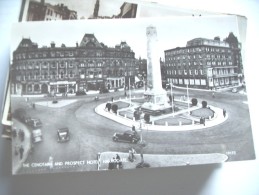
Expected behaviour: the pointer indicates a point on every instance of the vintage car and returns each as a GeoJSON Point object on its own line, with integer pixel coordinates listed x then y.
{"type": "Point", "coordinates": [34, 123]}
{"type": "Point", "coordinates": [36, 136]}
{"type": "Point", "coordinates": [127, 136]}
{"type": "Point", "coordinates": [63, 134]}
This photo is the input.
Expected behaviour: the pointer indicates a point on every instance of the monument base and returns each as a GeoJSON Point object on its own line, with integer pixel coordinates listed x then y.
{"type": "Point", "coordinates": [156, 103]}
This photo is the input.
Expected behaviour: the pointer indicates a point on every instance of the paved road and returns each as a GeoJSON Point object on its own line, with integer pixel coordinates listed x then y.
{"type": "Point", "coordinates": [91, 133]}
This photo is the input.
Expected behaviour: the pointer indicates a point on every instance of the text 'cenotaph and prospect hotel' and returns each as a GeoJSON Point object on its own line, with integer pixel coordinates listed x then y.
{"type": "Point", "coordinates": [90, 65]}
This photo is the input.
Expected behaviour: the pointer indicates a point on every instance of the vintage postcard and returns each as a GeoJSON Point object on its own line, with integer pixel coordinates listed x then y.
{"type": "Point", "coordinates": [47, 10]}
{"type": "Point", "coordinates": [168, 92]}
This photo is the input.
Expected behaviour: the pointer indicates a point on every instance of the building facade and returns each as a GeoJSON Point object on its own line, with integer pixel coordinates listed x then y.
{"type": "Point", "coordinates": [205, 63]}
{"type": "Point", "coordinates": [127, 10]}
{"type": "Point", "coordinates": [40, 11]}
{"type": "Point", "coordinates": [89, 65]}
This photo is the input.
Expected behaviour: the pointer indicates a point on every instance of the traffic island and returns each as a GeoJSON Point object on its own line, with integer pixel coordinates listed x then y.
{"type": "Point", "coordinates": [180, 119]}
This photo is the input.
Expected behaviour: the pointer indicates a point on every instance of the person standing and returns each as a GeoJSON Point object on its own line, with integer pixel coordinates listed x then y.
{"type": "Point", "coordinates": [21, 150]}
{"type": "Point", "coordinates": [118, 161]}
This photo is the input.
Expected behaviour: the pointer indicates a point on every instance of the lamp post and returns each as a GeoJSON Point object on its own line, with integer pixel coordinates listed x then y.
{"type": "Point", "coordinates": [188, 99]}
{"type": "Point", "coordinates": [172, 100]}
{"type": "Point", "coordinates": [129, 92]}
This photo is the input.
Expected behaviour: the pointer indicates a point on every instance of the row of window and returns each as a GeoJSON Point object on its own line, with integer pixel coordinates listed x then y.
{"type": "Point", "coordinates": [200, 63]}
{"type": "Point", "coordinates": [30, 66]}
{"type": "Point", "coordinates": [199, 56]}
{"type": "Point", "coordinates": [185, 72]}
{"type": "Point", "coordinates": [197, 49]}
{"type": "Point", "coordinates": [70, 53]}
{"type": "Point", "coordinates": [181, 81]}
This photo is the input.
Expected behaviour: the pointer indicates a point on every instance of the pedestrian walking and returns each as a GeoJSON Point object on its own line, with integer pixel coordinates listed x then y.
{"type": "Point", "coordinates": [112, 99]}
{"type": "Point", "coordinates": [21, 135]}
{"type": "Point", "coordinates": [21, 150]}
{"type": "Point", "coordinates": [132, 153]}
{"type": "Point", "coordinates": [204, 121]}
{"type": "Point", "coordinates": [125, 94]}
{"type": "Point", "coordinates": [213, 94]}
{"type": "Point", "coordinates": [142, 157]}
{"type": "Point", "coordinates": [14, 133]}
{"type": "Point", "coordinates": [110, 165]}
{"type": "Point", "coordinates": [224, 113]}
{"type": "Point", "coordinates": [118, 161]}
{"type": "Point", "coordinates": [134, 129]}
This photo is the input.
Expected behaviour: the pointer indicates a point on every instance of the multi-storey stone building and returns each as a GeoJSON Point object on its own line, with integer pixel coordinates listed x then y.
{"type": "Point", "coordinates": [205, 63]}
{"type": "Point", "coordinates": [39, 11]}
{"type": "Point", "coordinates": [89, 65]}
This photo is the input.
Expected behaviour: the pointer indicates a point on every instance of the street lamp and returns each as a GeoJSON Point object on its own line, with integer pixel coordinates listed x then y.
{"type": "Point", "coordinates": [129, 92]}
{"type": "Point", "coordinates": [172, 100]}
{"type": "Point", "coordinates": [188, 99]}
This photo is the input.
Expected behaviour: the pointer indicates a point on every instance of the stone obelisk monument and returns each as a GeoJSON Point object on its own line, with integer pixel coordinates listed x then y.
{"type": "Point", "coordinates": [155, 95]}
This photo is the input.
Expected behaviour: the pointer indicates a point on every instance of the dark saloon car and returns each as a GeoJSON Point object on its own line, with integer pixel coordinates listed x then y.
{"type": "Point", "coordinates": [34, 122]}
{"type": "Point", "coordinates": [63, 134]}
{"type": "Point", "coordinates": [127, 136]}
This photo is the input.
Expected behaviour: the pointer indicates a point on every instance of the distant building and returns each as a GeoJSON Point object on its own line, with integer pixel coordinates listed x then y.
{"type": "Point", "coordinates": [205, 63]}
{"type": "Point", "coordinates": [41, 11]}
{"type": "Point", "coordinates": [127, 10]}
{"type": "Point", "coordinates": [89, 65]}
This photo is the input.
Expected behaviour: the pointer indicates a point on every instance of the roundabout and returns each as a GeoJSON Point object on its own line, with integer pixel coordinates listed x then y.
{"type": "Point", "coordinates": [185, 119]}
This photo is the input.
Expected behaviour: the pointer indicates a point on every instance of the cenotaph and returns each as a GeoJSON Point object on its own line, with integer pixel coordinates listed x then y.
{"type": "Point", "coordinates": [156, 100]}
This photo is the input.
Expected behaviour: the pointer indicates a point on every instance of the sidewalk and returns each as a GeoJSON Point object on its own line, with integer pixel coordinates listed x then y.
{"type": "Point", "coordinates": [17, 158]}
{"type": "Point", "coordinates": [157, 160]}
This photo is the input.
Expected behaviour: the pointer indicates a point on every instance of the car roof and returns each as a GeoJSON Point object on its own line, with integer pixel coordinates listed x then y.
{"type": "Point", "coordinates": [37, 132]}
{"type": "Point", "coordinates": [129, 132]}
{"type": "Point", "coordinates": [64, 129]}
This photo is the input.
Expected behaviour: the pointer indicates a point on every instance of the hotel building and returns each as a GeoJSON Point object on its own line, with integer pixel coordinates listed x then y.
{"type": "Point", "coordinates": [89, 65]}
{"type": "Point", "coordinates": [205, 63]}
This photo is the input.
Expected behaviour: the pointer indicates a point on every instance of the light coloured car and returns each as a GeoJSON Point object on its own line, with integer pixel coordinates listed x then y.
{"type": "Point", "coordinates": [63, 134]}
{"type": "Point", "coordinates": [36, 135]}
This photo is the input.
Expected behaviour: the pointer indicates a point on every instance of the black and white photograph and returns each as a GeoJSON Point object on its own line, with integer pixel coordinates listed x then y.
{"type": "Point", "coordinates": [49, 10]}
{"type": "Point", "coordinates": [146, 93]}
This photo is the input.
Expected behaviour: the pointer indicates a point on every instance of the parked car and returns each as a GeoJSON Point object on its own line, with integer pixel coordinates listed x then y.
{"type": "Point", "coordinates": [34, 123]}
{"type": "Point", "coordinates": [63, 134]}
{"type": "Point", "coordinates": [127, 136]}
{"type": "Point", "coordinates": [36, 136]}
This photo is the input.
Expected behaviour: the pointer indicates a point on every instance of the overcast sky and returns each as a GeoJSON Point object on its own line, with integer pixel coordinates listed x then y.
{"type": "Point", "coordinates": [171, 32]}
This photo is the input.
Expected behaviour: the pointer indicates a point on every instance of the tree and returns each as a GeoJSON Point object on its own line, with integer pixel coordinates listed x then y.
{"type": "Point", "coordinates": [147, 118]}
{"type": "Point", "coordinates": [194, 101]}
{"type": "Point", "coordinates": [204, 104]}
{"type": "Point", "coordinates": [108, 106]}
{"type": "Point", "coordinates": [115, 108]}
{"type": "Point", "coordinates": [137, 115]}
